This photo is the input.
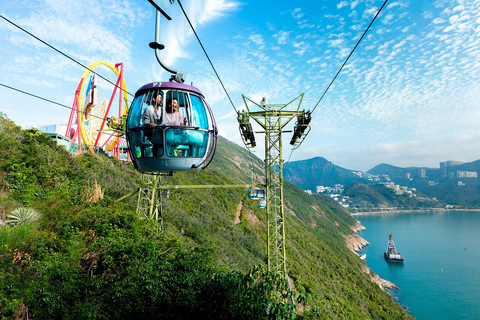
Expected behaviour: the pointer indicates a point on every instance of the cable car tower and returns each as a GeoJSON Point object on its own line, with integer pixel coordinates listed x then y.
{"type": "Point", "coordinates": [273, 119]}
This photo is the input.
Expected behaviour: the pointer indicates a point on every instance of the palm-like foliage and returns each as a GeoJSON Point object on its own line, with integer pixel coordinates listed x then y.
{"type": "Point", "coordinates": [22, 215]}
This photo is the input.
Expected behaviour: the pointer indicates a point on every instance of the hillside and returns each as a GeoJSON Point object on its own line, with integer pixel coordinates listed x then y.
{"type": "Point", "coordinates": [447, 187]}
{"type": "Point", "coordinates": [364, 198]}
{"type": "Point", "coordinates": [429, 184]}
{"type": "Point", "coordinates": [307, 174]}
{"type": "Point", "coordinates": [89, 257]}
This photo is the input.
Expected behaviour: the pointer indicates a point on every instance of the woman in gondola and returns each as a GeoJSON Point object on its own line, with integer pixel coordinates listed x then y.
{"type": "Point", "coordinates": [173, 116]}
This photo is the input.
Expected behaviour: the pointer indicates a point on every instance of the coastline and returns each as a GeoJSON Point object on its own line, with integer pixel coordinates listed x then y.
{"type": "Point", "coordinates": [355, 243]}
{"type": "Point", "coordinates": [393, 211]}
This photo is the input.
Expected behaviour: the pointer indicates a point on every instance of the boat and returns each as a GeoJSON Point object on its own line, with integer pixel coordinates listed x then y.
{"type": "Point", "coordinates": [391, 255]}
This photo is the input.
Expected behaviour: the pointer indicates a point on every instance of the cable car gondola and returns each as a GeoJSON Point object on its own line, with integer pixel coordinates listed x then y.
{"type": "Point", "coordinates": [255, 193]}
{"type": "Point", "coordinates": [262, 204]}
{"type": "Point", "coordinates": [183, 135]}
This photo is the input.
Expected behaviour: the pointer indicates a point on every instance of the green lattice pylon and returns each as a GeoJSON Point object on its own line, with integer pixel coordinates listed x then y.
{"type": "Point", "coordinates": [149, 202]}
{"type": "Point", "coordinates": [273, 119]}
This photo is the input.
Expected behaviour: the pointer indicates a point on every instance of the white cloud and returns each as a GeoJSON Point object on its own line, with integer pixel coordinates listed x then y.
{"type": "Point", "coordinates": [199, 12]}
{"type": "Point", "coordinates": [314, 60]}
{"type": "Point", "coordinates": [257, 39]}
{"type": "Point", "coordinates": [335, 43]}
{"type": "Point", "coordinates": [301, 47]}
{"type": "Point", "coordinates": [454, 19]}
{"type": "Point", "coordinates": [342, 4]}
{"type": "Point", "coordinates": [370, 12]}
{"type": "Point", "coordinates": [438, 21]}
{"type": "Point", "coordinates": [204, 11]}
{"type": "Point", "coordinates": [426, 153]}
{"type": "Point", "coordinates": [58, 24]}
{"type": "Point", "coordinates": [353, 4]}
{"type": "Point", "coordinates": [282, 36]}
{"type": "Point", "coordinates": [296, 13]}
{"type": "Point", "coordinates": [388, 19]}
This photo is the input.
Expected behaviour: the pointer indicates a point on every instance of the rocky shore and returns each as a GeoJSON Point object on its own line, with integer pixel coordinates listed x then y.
{"type": "Point", "coordinates": [392, 211]}
{"type": "Point", "coordinates": [355, 243]}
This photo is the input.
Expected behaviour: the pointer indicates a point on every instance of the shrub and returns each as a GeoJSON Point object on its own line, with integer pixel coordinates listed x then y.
{"type": "Point", "coordinates": [23, 215]}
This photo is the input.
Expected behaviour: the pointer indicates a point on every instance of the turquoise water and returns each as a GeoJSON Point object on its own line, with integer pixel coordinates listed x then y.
{"type": "Point", "coordinates": [440, 278]}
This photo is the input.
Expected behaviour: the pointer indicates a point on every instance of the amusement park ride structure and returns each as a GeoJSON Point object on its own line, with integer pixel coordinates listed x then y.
{"type": "Point", "coordinates": [91, 111]}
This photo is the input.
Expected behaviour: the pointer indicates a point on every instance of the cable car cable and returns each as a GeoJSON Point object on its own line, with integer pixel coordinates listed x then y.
{"type": "Point", "coordinates": [206, 54]}
{"type": "Point", "coordinates": [344, 63]}
{"type": "Point", "coordinates": [64, 54]}
{"type": "Point", "coordinates": [358, 42]}
{"type": "Point", "coordinates": [45, 99]}
{"type": "Point", "coordinates": [288, 161]}
{"type": "Point", "coordinates": [252, 172]}
{"type": "Point", "coordinates": [216, 73]}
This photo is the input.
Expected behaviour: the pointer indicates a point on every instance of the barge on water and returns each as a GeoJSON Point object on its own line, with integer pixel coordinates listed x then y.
{"type": "Point", "coordinates": [391, 255]}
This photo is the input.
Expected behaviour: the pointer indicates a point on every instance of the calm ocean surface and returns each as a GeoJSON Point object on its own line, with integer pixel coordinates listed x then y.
{"type": "Point", "coordinates": [440, 278]}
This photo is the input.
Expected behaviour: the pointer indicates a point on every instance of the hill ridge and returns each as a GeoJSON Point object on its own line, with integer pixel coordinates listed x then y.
{"type": "Point", "coordinates": [108, 263]}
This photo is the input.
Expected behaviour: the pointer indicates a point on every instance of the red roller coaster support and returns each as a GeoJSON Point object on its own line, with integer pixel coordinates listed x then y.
{"type": "Point", "coordinates": [70, 120]}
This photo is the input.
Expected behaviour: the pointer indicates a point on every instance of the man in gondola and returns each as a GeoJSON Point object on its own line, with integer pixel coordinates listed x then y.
{"type": "Point", "coordinates": [153, 114]}
{"type": "Point", "coordinates": [152, 117]}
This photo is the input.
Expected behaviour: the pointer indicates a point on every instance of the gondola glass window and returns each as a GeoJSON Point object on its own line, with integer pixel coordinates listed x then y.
{"type": "Point", "coordinates": [145, 117]}
{"type": "Point", "coordinates": [180, 127]}
{"type": "Point", "coordinates": [180, 140]}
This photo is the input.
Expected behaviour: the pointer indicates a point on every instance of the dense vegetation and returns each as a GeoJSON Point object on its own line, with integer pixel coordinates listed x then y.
{"type": "Point", "coordinates": [89, 257]}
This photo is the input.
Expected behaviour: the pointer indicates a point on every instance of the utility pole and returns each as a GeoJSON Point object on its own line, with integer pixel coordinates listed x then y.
{"type": "Point", "coordinates": [273, 120]}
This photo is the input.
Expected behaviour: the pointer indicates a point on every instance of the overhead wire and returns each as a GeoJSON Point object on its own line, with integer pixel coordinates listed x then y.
{"type": "Point", "coordinates": [64, 54]}
{"type": "Point", "coordinates": [353, 50]}
{"type": "Point", "coordinates": [216, 73]}
{"type": "Point", "coordinates": [343, 65]}
{"type": "Point", "coordinates": [206, 54]}
{"type": "Point", "coordinates": [42, 98]}
{"type": "Point", "coordinates": [288, 161]}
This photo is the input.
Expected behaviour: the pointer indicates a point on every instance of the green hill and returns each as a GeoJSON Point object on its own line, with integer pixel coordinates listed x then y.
{"type": "Point", "coordinates": [89, 257]}
{"type": "Point", "coordinates": [446, 187]}
{"type": "Point", "coordinates": [409, 176]}
{"type": "Point", "coordinates": [379, 197]}
{"type": "Point", "coordinates": [307, 174]}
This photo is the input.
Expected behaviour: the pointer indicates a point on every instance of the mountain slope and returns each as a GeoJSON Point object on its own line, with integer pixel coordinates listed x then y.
{"type": "Point", "coordinates": [307, 174]}
{"type": "Point", "coordinates": [404, 175]}
{"type": "Point", "coordinates": [447, 187]}
{"type": "Point", "coordinates": [92, 258]}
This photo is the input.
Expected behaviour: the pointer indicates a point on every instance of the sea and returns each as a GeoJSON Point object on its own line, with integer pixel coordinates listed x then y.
{"type": "Point", "coordinates": [440, 277]}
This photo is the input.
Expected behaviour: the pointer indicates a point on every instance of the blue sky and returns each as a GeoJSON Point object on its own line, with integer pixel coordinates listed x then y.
{"type": "Point", "coordinates": [409, 96]}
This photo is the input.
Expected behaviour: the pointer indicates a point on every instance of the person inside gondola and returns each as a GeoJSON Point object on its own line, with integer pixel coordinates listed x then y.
{"type": "Point", "coordinates": [173, 116]}
{"type": "Point", "coordinates": [153, 114]}
{"type": "Point", "coordinates": [176, 138]}
{"type": "Point", "coordinates": [152, 117]}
